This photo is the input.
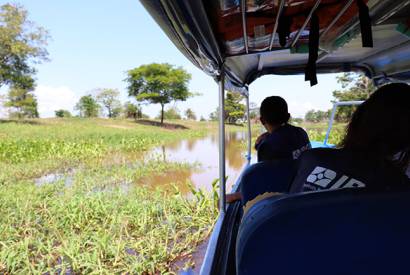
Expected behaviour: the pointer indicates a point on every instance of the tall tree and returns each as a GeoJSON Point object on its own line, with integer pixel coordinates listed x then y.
{"type": "Point", "coordinates": [354, 87]}
{"type": "Point", "coordinates": [109, 99]}
{"type": "Point", "coordinates": [159, 84]}
{"type": "Point", "coordinates": [87, 106]}
{"type": "Point", "coordinates": [22, 102]}
{"type": "Point", "coordinates": [234, 109]}
{"type": "Point", "coordinates": [22, 44]}
{"type": "Point", "coordinates": [190, 114]}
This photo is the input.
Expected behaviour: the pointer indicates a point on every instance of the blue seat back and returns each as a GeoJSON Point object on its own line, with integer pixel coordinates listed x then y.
{"type": "Point", "coordinates": [267, 176]}
{"type": "Point", "coordinates": [346, 231]}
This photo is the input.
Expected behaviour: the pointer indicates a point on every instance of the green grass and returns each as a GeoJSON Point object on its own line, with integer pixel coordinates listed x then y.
{"type": "Point", "coordinates": [105, 220]}
{"type": "Point", "coordinates": [31, 150]}
{"type": "Point", "coordinates": [317, 132]}
{"type": "Point", "coordinates": [46, 229]}
{"type": "Point", "coordinates": [99, 217]}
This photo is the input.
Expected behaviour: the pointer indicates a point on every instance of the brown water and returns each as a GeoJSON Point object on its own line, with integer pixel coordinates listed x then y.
{"type": "Point", "coordinates": [202, 152]}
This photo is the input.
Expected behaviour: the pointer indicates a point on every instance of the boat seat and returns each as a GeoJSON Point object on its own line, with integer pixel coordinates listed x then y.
{"type": "Point", "coordinates": [266, 176]}
{"type": "Point", "coordinates": [344, 231]}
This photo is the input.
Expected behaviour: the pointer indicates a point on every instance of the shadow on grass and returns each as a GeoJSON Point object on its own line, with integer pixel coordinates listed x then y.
{"type": "Point", "coordinates": [158, 124]}
{"type": "Point", "coordinates": [22, 121]}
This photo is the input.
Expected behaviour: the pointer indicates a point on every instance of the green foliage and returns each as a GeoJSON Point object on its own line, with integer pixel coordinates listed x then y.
{"type": "Point", "coordinates": [107, 232]}
{"type": "Point", "coordinates": [103, 219]}
{"type": "Point", "coordinates": [202, 119]}
{"type": "Point", "coordinates": [213, 116]}
{"type": "Point", "coordinates": [171, 113]}
{"type": "Point", "coordinates": [22, 43]}
{"type": "Point", "coordinates": [62, 113]}
{"type": "Point", "coordinates": [88, 106]}
{"type": "Point", "coordinates": [317, 116]}
{"type": "Point", "coordinates": [189, 114]}
{"type": "Point", "coordinates": [354, 87]}
{"type": "Point", "coordinates": [158, 84]}
{"type": "Point", "coordinates": [109, 100]}
{"type": "Point", "coordinates": [22, 102]}
{"type": "Point", "coordinates": [234, 109]}
{"type": "Point", "coordinates": [132, 110]}
{"type": "Point", "coordinates": [317, 132]}
{"type": "Point", "coordinates": [296, 120]}
{"type": "Point", "coordinates": [253, 110]}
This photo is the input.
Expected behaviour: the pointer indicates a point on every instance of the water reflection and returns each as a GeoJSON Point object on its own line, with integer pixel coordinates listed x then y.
{"type": "Point", "coordinates": [205, 152]}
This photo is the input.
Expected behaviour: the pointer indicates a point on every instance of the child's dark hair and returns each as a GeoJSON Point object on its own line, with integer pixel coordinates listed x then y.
{"type": "Point", "coordinates": [381, 125]}
{"type": "Point", "coordinates": [274, 110]}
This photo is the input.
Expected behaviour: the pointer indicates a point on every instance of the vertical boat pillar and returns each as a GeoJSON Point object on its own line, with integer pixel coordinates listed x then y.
{"type": "Point", "coordinates": [248, 118]}
{"type": "Point", "coordinates": [222, 199]}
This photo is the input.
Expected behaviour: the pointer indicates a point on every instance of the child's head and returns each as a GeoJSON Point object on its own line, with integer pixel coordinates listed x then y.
{"type": "Point", "coordinates": [274, 111]}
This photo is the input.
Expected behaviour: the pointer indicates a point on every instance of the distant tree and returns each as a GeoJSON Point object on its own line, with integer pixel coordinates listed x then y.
{"type": "Point", "coordinates": [22, 44]}
{"type": "Point", "coordinates": [254, 110]}
{"type": "Point", "coordinates": [132, 110]}
{"type": "Point", "coordinates": [108, 98]}
{"type": "Point", "coordinates": [296, 120]}
{"type": "Point", "coordinates": [87, 106]}
{"type": "Point", "coordinates": [158, 84]}
{"type": "Point", "coordinates": [234, 109]}
{"type": "Point", "coordinates": [171, 113]}
{"type": "Point", "coordinates": [317, 116]}
{"type": "Point", "coordinates": [213, 116]}
{"type": "Point", "coordinates": [22, 102]}
{"type": "Point", "coordinates": [3, 107]}
{"type": "Point", "coordinates": [62, 113]}
{"type": "Point", "coordinates": [354, 87]}
{"type": "Point", "coordinates": [189, 114]}
{"type": "Point", "coordinates": [202, 119]}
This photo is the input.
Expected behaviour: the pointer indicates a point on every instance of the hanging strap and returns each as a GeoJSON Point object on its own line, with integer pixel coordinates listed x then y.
{"type": "Point", "coordinates": [284, 24]}
{"type": "Point", "coordinates": [310, 70]}
{"type": "Point", "coordinates": [365, 24]}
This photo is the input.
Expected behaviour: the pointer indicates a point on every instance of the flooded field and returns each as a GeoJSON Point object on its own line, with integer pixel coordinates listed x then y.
{"type": "Point", "coordinates": [202, 153]}
{"type": "Point", "coordinates": [94, 198]}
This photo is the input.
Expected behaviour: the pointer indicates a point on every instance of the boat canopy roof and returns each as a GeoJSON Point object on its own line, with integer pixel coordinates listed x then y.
{"type": "Point", "coordinates": [251, 38]}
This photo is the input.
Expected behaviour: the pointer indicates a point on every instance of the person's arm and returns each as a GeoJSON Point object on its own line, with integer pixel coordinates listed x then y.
{"type": "Point", "coordinates": [233, 197]}
{"type": "Point", "coordinates": [260, 139]}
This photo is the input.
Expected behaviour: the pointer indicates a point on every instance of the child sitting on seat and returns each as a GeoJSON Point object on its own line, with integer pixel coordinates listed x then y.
{"type": "Point", "coordinates": [281, 141]}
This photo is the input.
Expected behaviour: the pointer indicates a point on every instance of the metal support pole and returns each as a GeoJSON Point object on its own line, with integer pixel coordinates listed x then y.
{"type": "Point", "coordinates": [244, 27]}
{"type": "Point", "coordinates": [248, 118]}
{"type": "Point", "coordinates": [329, 128]}
{"type": "Point", "coordinates": [222, 199]}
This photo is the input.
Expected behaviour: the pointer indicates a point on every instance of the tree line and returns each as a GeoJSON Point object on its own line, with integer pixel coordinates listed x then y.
{"type": "Point", "coordinates": [23, 44]}
{"type": "Point", "coordinates": [354, 87]}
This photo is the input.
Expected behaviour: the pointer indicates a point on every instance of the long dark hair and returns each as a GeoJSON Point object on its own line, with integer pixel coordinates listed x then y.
{"type": "Point", "coordinates": [380, 126]}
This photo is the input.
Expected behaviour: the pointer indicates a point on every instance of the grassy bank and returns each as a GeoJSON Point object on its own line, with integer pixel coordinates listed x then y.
{"type": "Point", "coordinates": [95, 215]}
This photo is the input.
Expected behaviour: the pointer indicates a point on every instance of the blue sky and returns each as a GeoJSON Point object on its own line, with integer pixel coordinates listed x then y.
{"type": "Point", "coordinates": [94, 43]}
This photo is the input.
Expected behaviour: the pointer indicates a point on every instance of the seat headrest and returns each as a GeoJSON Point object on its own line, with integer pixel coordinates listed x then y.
{"type": "Point", "coordinates": [266, 176]}
{"type": "Point", "coordinates": [345, 231]}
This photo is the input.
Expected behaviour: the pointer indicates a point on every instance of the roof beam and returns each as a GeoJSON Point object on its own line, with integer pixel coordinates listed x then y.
{"type": "Point", "coordinates": [349, 3]}
{"type": "Point", "coordinates": [275, 27]}
{"type": "Point", "coordinates": [392, 12]}
{"type": "Point", "coordinates": [260, 62]}
{"type": "Point", "coordinates": [295, 40]}
{"type": "Point", "coordinates": [245, 33]}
